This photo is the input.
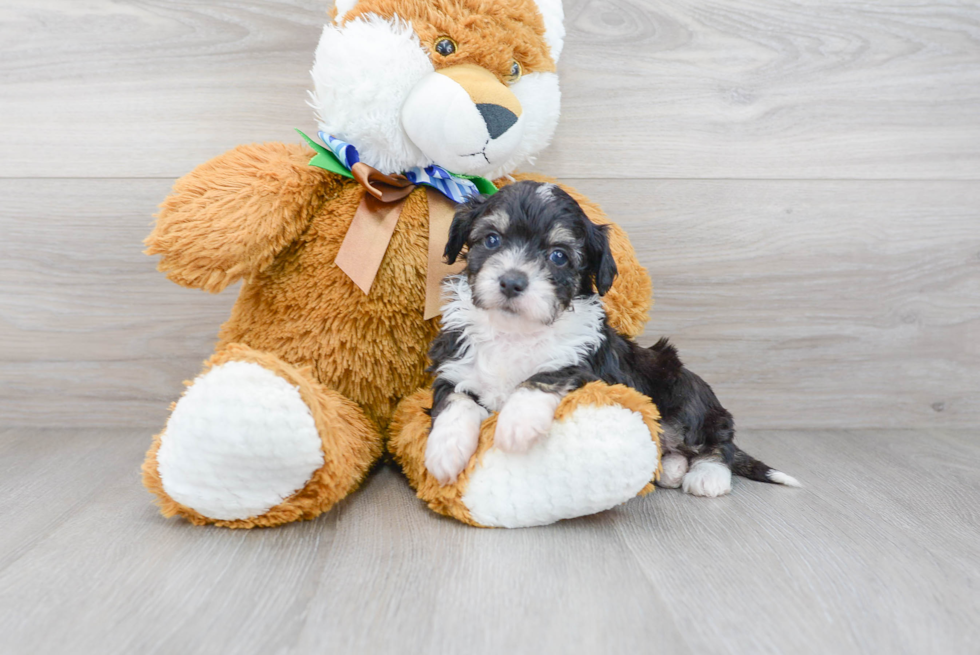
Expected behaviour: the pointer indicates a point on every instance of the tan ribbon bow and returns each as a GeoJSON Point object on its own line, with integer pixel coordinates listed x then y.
{"type": "Point", "coordinates": [370, 232]}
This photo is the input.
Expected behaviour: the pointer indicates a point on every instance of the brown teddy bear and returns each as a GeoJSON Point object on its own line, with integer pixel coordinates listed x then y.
{"type": "Point", "coordinates": [323, 358]}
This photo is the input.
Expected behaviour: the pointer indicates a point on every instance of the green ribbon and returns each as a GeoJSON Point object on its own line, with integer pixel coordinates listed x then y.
{"type": "Point", "coordinates": [325, 158]}
{"type": "Point", "coordinates": [328, 161]}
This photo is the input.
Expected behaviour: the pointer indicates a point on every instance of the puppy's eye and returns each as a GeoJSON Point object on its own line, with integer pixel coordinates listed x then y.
{"type": "Point", "coordinates": [445, 46]}
{"type": "Point", "coordinates": [516, 70]}
{"type": "Point", "coordinates": [492, 241]}
{"type": "Point", "coordinates": [558, 257]}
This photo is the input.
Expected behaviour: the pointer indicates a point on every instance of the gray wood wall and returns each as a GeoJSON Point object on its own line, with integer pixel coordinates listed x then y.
{"type": "Point", "coordinates": [802, 180]}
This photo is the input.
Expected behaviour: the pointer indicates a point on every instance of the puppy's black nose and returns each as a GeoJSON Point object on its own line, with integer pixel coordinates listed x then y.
{"type": "Point", "coordinates": [513, 283]}
{"type": "Point", "coordinates": [498, 119]}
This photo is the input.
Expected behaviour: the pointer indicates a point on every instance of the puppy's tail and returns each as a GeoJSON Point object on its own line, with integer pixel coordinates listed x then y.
{"type": "Point", "coordinates": [749, 467]}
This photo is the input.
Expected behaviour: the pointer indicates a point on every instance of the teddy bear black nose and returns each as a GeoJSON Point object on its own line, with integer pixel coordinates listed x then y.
{"type": "Point", "coordinates": [513, 283]}
{"type": "Point", "coordinates": [498, 119]}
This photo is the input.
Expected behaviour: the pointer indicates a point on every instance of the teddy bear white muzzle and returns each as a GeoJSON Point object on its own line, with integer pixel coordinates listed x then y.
{"type": "Point", "coordinates": [464, 119]}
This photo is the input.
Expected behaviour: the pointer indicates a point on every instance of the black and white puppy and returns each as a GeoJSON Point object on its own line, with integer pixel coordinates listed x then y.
{"type": "Point", "coordinates": [524, 325]}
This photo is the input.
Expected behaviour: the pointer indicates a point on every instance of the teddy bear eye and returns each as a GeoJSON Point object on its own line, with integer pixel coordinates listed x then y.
{"type": "Point", "coordinates": [516, 70]}
{"type": "Point", "coordinates": [445, 46]}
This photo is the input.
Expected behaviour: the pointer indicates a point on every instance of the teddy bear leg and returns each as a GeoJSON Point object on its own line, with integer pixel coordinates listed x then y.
{"type": "Point", "coordinates": [255, 441]}
{"type": "Point", "coordinates": [602, 450]}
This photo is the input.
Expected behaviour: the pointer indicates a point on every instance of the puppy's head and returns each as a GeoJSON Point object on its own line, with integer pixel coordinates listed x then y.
{"type": "Point", "coordinates": [530, 251]}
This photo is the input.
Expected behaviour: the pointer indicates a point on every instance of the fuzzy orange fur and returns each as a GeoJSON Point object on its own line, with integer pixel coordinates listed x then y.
{"type": "Point", "coordinates": [475, 26]}
{"type": "Point", "coordinates": [261, 214]}
{"type": "Point", "coordinates": [229, 217]}
{"type": "Point", "coordinates": [410, 433]}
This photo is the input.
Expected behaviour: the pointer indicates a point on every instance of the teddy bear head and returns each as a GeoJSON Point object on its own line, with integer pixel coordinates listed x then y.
{"type": "Point", "coordinates": [467, 85]}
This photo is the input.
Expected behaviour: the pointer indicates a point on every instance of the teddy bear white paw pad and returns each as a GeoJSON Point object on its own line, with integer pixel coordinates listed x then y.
{"type": "Point", "coordinates": [590, 461]}
{"type": "Point", "coordinates": [239, 442]}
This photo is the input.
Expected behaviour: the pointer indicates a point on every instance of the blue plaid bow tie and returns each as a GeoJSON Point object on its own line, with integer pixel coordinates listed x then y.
{"type": "Point", "coordinates": [456, 187]}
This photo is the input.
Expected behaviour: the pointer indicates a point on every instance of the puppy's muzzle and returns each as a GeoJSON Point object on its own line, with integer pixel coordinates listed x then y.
{"type": "Point", "coordinates": [513, 283]}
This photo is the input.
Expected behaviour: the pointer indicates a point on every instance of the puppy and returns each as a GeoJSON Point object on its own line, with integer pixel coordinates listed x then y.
{"type": "Point", "coordinates": [524, 325]}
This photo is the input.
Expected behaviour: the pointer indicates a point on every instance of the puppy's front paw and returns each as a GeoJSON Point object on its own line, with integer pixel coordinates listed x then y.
{"type": "Point", "coordinates": [708, 478]}
{"type": "Point", "coordinates": [525, 417]}
{"type": "Point", "coordinates": [453, 439]}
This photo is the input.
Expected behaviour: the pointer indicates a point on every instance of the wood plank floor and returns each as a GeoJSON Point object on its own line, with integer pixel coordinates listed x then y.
{"type": "Point", "coordinates": [879, 553]}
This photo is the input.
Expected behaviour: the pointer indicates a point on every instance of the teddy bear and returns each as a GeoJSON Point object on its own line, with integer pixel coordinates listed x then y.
{"type": "Point", "coordinates": [338, 243]}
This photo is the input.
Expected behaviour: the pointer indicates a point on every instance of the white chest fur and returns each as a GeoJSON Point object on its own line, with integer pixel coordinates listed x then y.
{"type": "Point", "coordinates": [499, 351]}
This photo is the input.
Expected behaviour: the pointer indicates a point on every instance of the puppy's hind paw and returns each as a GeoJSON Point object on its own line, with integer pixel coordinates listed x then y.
{"type": "Point", "coordinates": [708, 478]}
{"type": "Point", "coordinates": [674, 467]}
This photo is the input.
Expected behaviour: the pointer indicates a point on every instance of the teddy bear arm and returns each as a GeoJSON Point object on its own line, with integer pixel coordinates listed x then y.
{"type": "Point", "coordinates": [578, 470]}
{"type": "Point", "coordinates": [629, 301]}
{"type": "Point", "coordinates": [231, 216]}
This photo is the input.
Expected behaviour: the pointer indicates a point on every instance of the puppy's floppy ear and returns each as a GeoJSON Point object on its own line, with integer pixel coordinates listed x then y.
{"type": "Point", "coordinates": [459, 231]}
{"type": "Point", "coordinates": [600, 263]}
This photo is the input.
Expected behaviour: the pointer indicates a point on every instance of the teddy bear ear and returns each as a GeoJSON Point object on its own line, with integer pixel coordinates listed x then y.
{"type": "Point", "coordinates": [554, 25]}
{"type": "Point", "coordinates": [342, 7]}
